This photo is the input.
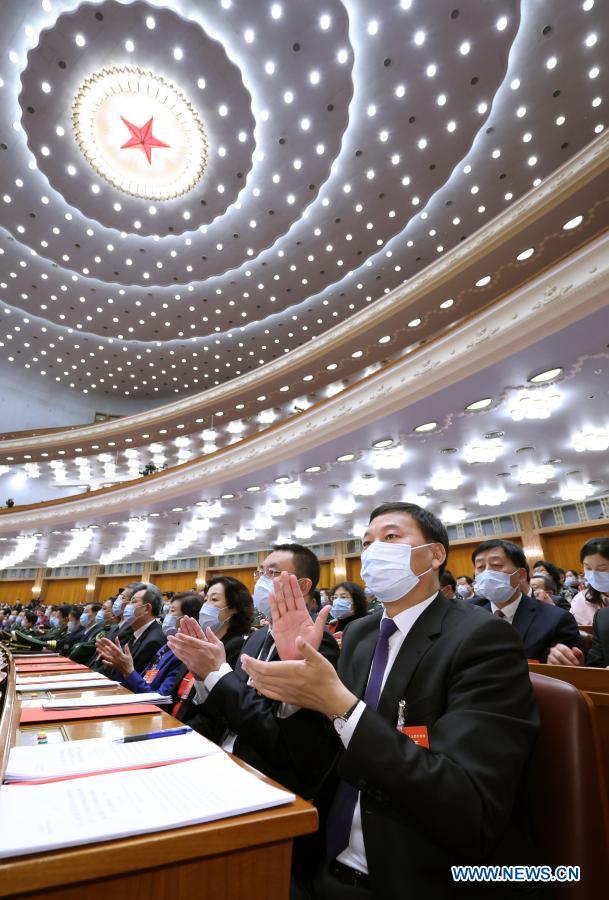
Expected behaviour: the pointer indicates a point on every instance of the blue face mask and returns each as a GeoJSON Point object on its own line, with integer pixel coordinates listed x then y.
{"type": "Point", "coordinates": [129, 615]}
{"type": "Point", "coordinates": [85, 620]}
{"type": "Point", "coordinates": [54, 622]}
{"type": "Point", "coordinates": [262, 589]}
{"type": "Point", "coordinates": [463, 590]}
{"type": "Point", "coordinates": [100, 617]}
{"type": "Point", "coordinates": [209, 617]}
{"type": "Point", "coordinates": [597, 580]}
{"type": "Point", "coordinates": [170, 624]}
{"type": "Point", "coordinates": [72, 626]}
{"type": "Point", "coordinates": [341, 608]}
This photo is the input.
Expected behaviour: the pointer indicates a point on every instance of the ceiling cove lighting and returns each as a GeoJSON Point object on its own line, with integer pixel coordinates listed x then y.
{"type": "Point", "coordinates": [593, 439]}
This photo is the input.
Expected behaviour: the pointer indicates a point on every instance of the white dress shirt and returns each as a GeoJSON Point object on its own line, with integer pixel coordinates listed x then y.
{"type": "Point", "coordinates": [354, 855]}
{"type": "Point", "coordinates": [139, 632]}
{"type": "Point", "coordinates": [509, 610]}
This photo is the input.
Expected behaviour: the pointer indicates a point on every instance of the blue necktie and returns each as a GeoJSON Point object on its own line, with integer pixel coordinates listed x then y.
{"type": "Point", "coordinates": [345, 799]}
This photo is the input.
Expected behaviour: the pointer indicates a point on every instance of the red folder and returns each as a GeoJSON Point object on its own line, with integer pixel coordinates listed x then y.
{"type": "Point", "coordinates": [150, 765]}
{"type": "Point", "coordinates": [33, 715]}
{"type": "Point", "coordinates": [50, 668]}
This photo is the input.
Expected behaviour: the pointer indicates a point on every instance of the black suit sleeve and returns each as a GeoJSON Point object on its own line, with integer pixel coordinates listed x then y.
{"type": "Point", "coordinates": [459, 793]}
{"type": "Point", "coordinates": [597, 658]}
{"type": "Point", "coordinates": [304, 742]}
{"type": "Point", "coordinates": [566, 631]}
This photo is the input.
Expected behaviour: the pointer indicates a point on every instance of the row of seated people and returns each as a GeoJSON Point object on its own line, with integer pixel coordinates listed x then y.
{"type": "Point", "coordinates": [207, 658]}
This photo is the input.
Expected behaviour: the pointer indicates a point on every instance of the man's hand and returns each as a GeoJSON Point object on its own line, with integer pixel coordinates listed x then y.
{"type": "Point", "coordinates": [310, 682]}
{"type": "Point", "coordinates": [543, 597]}
{"type": "Point", "coordinates": [116, 656]}
{"type": "Point", "coordinates": [291, 618]}
{"type": "Point", "coordinates": [561, 655]}
{"type": "Point", "coordinates": [200, 655]}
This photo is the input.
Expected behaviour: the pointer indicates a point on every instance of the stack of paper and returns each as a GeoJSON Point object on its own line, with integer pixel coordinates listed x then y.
{"type": "Point", "coordinates": [93, 700]}
{"type": "Point", "coordinates": [41, 817]}
{"type": "Point", "coordinates": [66, 685]}
{"type": "Point", "coordinates": [70, 759]}
{"type": "Point", "coordinates": [73, 676]}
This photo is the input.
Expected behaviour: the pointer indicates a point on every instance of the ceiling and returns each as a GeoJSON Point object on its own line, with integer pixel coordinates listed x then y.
{"type": "Point", "coordinates": [352, 153]}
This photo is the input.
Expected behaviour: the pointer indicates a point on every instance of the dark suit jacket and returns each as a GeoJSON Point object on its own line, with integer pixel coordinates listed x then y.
{"type": "Point", "coordinates": [294, 751]}
{"type": "Point", "coordinates": [124, 633]}
{"type": "Point", "coordinates": [541, 626]}
{"type": "Point", "coordinates": [65, 643]}
{"type": "Point", "coordinates": [83, 650]}
{"type": "Point", "coordinates": [145, 647]}
{"type": "Point", "coordinates": [598, 655]}
{"type": "Point", "coordinates": [464, 675]}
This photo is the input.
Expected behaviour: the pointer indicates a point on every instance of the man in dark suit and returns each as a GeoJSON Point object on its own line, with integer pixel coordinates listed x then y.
{"type": "Point", "coordinates": [74, 633]}
{"type": "Point", "coordinates": [83, 649]}
{"type": "Point", "coordinates": [121, 629]}
{"type": "Point", "coordinates": [598, 655]}
{"type": "Point", "coordinates": [410, 804]}
{"type": "Point", "coordinates": [288, 745]}
{"type": "Point", "coordinates": [501, 569]}
{"type": "Point", "coordinates": [147, 637]}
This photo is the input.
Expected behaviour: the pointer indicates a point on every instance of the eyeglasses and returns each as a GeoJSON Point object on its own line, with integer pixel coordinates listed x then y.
{"type": "Point", "coordinates": [268, 572]}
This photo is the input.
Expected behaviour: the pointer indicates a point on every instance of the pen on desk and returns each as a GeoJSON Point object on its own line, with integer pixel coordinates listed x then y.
{"type": "Point", "coordinates": [170, 732]}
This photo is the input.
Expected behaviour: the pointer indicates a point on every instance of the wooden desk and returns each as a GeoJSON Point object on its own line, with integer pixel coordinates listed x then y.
{"type": "Point", "coordinates": [241, 858]}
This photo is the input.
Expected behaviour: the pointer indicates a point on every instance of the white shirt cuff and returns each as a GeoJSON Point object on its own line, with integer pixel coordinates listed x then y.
{"type": "Point", "coordinates": [347, 732]}
{"type": "Point", "coordinates": [203, 688]}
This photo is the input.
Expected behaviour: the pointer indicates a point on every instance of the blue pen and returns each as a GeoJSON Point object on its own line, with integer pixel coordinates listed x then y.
{"type": "Point", "coordinates": [170, 732]}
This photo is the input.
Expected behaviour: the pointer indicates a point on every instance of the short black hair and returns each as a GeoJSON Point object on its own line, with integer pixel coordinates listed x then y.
{"type": "Point", "coordinates": [552, 570]}
{"type": "Point", "coordinates": [238, 598]}
{"type": "Point", "coordinates": [95, 607]}
{"type": "Point", "coordinates": [360, 601]}
{"type": "Point", "coordinates": [513, 552]}
{"type": "Point", "coordinates": [64, 610]}
{"type": "Point", "coordinates": [447, 579]}
{"type": "Point", "coordinates": [190, 603]}
{"type": "Point", "coordinates": [31, 616]}
{"type": "Point", "coordinates": [431, 527]}
{"type": "Point", "coordinates": [76, 611]}
{"type": "Point", "coordinates": [468, 578]}
{"type": "Point", "coordinates": [598, 545]}
{"type": "Point", "coordinates": [306, 563]}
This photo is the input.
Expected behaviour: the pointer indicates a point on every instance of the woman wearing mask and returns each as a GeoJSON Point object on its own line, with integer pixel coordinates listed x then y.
{"type": "Point", "coordinates": [594, 556]}
{"type": "Point", "coordinates": [165, 672]}
{"type": "Point", "coordinates": [229, 611]}
{"type": "Point", "coordinates": [348, 603]}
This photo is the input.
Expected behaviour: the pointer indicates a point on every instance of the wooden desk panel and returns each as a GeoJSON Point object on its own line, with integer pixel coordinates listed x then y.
{"type": "Point", "coordinates": [241, 858]}
{"type": "Point", "coordinates": [582, 678]}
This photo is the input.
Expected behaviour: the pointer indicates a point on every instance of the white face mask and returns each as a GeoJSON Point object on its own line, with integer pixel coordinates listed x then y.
{"type": "Point", "coordinates": [262, 588]}
{"type": "Point", "coordinates": [597, 580]}
{"type": "Point", "coordinates": [386, 570]}
{"type": "Point", "coordinates": [495, 587]}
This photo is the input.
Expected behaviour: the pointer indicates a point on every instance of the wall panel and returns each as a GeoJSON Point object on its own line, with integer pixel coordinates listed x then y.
{"type": "Point", "coordinates": [109, 585]}
{"type": "Point", "coordinates": [64, 590]}
{"type": "Point", "coordinates": [174, 581]}
{"type": "Point", "coordinates": [354, 570]}
{"type": "Point", "coordinates": [562, 547]}
{"type": "Point", "coordinates": [12, 591]}
{"type": "Point", "coordinates": [245, 574]}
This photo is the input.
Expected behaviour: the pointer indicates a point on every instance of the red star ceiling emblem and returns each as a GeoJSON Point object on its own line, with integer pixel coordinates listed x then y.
{"type": "Point", "coordinates": [142, 138]}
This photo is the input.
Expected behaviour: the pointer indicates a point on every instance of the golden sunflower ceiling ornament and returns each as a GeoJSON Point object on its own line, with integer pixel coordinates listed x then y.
{"type": "Point", "coordinates": [140, 133]}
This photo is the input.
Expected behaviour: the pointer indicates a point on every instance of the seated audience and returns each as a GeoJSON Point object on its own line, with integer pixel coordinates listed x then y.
{"type": "Point", "coordinates": [559, 595]}
{"type": "Point", "coordinates": [402, 814]}
{"type": "Point", "coordinates": [59, 619]}
{"type": "Point", "coordinates": [594, 556]}
{"type": "Point", "coordinates": [74, 633]}
{"type": "Point", "coordinates": [93, 622]}
{"type": "Point", "coordinates": [348, 604]}
{"type": "Point", "coordinates": [121, 629]}
{"type": "Point", "coordinates": [572, 584]}
{"type": "Point", "coordinates": [543, 588]}
{"type": "Point", "coordinates": [144, 636]}
{"type": "Point", "coordinates": [501, 571]}
{"type": "Point", "coordinates": [165, 671]}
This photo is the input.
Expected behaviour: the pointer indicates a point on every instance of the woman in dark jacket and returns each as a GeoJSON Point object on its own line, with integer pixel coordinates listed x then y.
{"type": "Point", "coordinates": [348, 603]}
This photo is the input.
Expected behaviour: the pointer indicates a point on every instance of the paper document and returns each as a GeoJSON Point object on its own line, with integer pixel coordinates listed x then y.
{"type": "Point", "coordinates": [66, 685]}
{"type": "Point", "coordinates": [73, 676]}
{"type": "Point", "coordinates": [115, 700]}
{"type": "Point", "coordinates": [102, 755]}
{"type": "Point", "coordinates": [41, 817]}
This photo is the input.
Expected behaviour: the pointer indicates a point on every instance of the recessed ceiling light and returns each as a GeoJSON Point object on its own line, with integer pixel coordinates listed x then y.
{"type": "Point", "coordinates": [526, 254]}
{"type": "Point", "coordinates": [346, 457]}
{"type": "Point", "coordinates": [228, 496]}
{"type": "Point", "coordinates": [548, 375]}
{"type": "Point", "coordinates": [382, 443]}
{"type": "Point", "coordinates": [385, 339]}
{"type": "Point", "coordinates": [482, 282]}
{"type": "Point", "coordinates": [253, 488]}
{"type": "Point", "coordinates": [479, 404]}
{"type": "Point", "coordinates": [427, 426]}
{"type": "Point", "coordinates": [573, 223]}
{"type": "Point", "coordinates": [312, 469]}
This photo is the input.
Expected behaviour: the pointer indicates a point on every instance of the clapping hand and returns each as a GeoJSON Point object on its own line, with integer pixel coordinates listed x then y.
{"type": "Point", "coordinates": [202, 652]}
{"type": "Point", "coordinates": [116, 656]}
{"type": "Point", "coordinates": [291, 618]}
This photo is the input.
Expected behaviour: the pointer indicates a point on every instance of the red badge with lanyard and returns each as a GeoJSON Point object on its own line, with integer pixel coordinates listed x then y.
{"type": "Point", "coordinates": [418, 734]}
